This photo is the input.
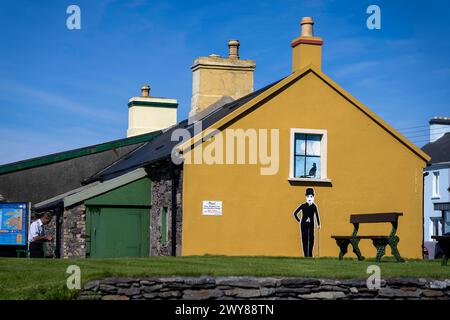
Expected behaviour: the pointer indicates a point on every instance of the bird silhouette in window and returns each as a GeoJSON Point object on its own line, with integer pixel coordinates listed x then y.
{"type": "Point", "coordinates": [312, 171]}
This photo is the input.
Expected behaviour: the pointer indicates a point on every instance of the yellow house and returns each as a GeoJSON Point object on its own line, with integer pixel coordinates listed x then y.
{"type": "Point", "coordinates": [255, 172]}
{"type": "Point", "coordinates": [361, 165]}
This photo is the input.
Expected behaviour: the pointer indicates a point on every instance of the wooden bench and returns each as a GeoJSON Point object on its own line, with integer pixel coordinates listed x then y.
{"type": "Point", "coordinates": [22, 251]}
{"type": "Point", "coordinates": [444, 243]}
{"type": "Point", "coordinates": [379, 241]}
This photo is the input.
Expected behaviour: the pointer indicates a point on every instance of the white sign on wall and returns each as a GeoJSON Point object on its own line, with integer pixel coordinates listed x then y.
{"type": "Point", "coordinates": [212, 208]}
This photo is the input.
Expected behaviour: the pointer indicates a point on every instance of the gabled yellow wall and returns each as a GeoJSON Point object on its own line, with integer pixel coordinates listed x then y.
{"type": "Point", "coordinates": [371, 171]}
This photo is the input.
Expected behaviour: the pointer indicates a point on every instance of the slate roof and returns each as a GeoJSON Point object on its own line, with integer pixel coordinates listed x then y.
{"type": "Point", "coordinates": [439, 150]}
{"type": "Point", "coordinates": [161, 146]}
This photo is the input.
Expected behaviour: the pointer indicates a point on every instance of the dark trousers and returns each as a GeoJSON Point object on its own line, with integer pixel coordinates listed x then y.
{"type": "Point", "coordinates": [36, 249]}
{"type": "Point", "coordinates": [307, 238]}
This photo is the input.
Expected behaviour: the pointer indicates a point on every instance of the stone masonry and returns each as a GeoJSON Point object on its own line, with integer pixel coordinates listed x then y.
{"type": "Point", "coordinates": [162, 198]}
{"type": "Point", "coordinates": [74, 232]}
{"type": "Point", "coordinates": [50, 246]}
{"type": "Point", "coordinates": [226, 288]}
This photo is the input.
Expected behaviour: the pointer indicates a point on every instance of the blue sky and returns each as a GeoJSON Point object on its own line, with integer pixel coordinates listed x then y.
{"type": "Point", "coordinates": [61, 89]}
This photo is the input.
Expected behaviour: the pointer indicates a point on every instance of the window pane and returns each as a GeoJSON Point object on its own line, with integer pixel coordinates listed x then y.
{"type": "Point", "coordinates": [299, 169]}
{"type": "Point", "coordinates": [313, 167]}
{"type": "Point", "coordinates": [300, 144]}
{"type": "Point", "coordinates": [313, 145]}
{"type": "Point", "coordinates": [446, 222]}
{"type": "Point", "coordinates": [436, 184]}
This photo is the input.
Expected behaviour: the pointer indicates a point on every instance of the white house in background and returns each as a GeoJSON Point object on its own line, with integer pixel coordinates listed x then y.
{"type": "Point", "coordinates": [437, 183]}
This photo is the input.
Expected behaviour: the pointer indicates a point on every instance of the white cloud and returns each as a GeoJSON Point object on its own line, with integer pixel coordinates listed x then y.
{"type": "Point", "coordinates": [54, 102]}
{"type": "Point", "coordinates": [353, 69]}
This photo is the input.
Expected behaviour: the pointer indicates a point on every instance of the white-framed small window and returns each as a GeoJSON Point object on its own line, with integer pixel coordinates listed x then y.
{"type": "Point", "coordinates": [436, 226]}
{"type": "Point", "coordinates": [435, 184]}
{"type": "Point", "coordinates": [308, 155]}
{"type": "Point", "coordinates": [446, 222]}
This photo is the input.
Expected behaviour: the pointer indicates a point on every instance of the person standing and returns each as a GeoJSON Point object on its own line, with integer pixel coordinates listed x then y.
{"type": "Point", "coordinates": [309, 211]}
{"type": "Point", "coordinates": [37, 237]}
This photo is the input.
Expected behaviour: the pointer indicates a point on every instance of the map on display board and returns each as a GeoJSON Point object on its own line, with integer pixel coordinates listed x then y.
{"type": "Point", "coordinates": [13, 224]}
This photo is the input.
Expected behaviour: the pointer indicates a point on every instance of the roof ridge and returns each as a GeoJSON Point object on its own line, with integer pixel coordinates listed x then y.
{"type": "Point", "coordinates": [93, 178]}
{"type": "Point", "coordinates": [295, 76]}
{"type": "Point", "coordinates": [158, 154]}
{"type": "Point", "coordinates": [75, 153]}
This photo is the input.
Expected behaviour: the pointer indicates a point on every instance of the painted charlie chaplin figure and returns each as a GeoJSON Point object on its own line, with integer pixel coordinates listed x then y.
{"type": "Point", "coordinates": [309, 210]}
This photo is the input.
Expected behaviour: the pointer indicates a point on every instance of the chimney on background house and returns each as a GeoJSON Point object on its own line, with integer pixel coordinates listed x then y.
{"type": "Point", "coordinates": [147, 114]}
{"type": "Point", "coordinates": [217, 80]}
{"type": "Point", "coordinates": [306, 49]}
{"type": "Point", "coordinates": [438, 127]}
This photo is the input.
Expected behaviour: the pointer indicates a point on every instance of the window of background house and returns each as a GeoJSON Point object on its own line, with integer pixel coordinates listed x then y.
{"type": "Point", "coordinates": [164, 225]}
{"type": "Point", "coordinates": [436, 185]}
{"type": "Point", "coordinates": [436, 223]}
{"type": "Point", "coordinates": [446, 222]}
{"type": "Point", "coordinates": [308, 154]}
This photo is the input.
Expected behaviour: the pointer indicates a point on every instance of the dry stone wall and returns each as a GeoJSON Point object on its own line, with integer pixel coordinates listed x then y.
{"type": "Point", "coordinates": [225, 288]}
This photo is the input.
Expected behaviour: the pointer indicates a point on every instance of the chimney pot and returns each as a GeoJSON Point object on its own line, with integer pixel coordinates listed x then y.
{"type": "Point", "coordinates": [233, 49]}
{"type": "Point", "coordinates": [307, 27]}
{"type": "Point", "coordinates": [145, 90]}
{"type": "Point", "coordinates": [148, 114]}
{"type": "Point", "coordinates": [306, 49]}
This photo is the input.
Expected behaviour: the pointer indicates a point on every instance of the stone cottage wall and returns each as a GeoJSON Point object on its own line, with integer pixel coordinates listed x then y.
{"type": "Point", "coordinates": [50, 230]}
{"type": "Point", "coordinates": [161, 178]}
{"type": "Point", "coordinates": [74, 232]}
{"type": "Point", "coordinates": [74, 239]}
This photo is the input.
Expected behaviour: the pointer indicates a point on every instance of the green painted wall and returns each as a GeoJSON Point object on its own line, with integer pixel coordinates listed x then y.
{"type": "Point", "coordinates": [136, 193]}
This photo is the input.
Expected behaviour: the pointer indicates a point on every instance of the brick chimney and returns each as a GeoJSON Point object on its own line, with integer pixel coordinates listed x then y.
{"type": "Point", "coordinates": [147, 114]}
{"type": "Point", "coordinates": [216, 78]}
{"type": "Point", "coordinates": [306, 49]}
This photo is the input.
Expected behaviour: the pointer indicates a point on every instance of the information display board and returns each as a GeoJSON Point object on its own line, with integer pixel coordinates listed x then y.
{"type": "Point", "coordinates": [13, 223]}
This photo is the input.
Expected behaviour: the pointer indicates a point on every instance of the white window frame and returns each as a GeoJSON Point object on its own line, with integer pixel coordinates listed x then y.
{"type": "Point", "coordinates": [323, 154]}
{"type": "Point", "coordinates": [435, 185]}
{"type": "Point", "coordinates": [436, 226]}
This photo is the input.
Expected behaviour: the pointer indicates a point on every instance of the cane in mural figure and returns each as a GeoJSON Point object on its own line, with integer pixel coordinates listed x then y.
{"type": "Point", "coordinates": [309, 210]}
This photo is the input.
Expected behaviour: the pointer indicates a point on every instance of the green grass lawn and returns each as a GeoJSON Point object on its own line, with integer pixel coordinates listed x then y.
{"type": "Point", "coordinates": [46, 278]}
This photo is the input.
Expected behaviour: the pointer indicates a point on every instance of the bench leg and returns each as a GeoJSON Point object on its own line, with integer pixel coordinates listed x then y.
{"type": "Point", "coordinates": [393, 244]}
{"type": "Point", "coordinates": [343, 247]}
{"type": "Point", "coordinates": [444, 260]}
{"type": "Point", "coordinates": [380, 245]}
{"type": "Point", "coordinates": [445, 247]}
{"type": "Point", "coordinates": [355, 245]}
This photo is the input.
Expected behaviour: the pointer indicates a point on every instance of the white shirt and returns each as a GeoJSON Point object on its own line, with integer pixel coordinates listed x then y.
{"type": "Point", "coordinates": [36, 229]}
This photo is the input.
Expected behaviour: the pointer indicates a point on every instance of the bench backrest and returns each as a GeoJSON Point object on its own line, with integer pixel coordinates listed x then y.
{"type": "Point", "coordinates": [375, 217]}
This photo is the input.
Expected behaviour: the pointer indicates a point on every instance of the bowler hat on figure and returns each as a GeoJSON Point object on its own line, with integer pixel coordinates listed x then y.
{"type": "Point", "coordinates": [309, 191]}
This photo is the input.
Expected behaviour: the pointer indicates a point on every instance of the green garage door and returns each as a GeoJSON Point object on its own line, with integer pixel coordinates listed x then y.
{"type": "Point", "coordinates": [119, 232]}
{"type": "Point", "coordinates": [118, 221]}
